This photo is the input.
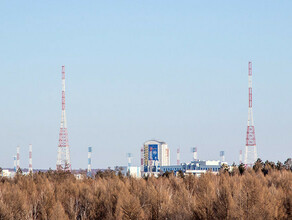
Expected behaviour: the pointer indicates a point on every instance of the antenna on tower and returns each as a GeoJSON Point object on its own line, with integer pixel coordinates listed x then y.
{"type": "Point", "coordinates": [63, 159]}
{"type": "Point", "coordinates": [250, 147]}
{"type": "Point", "coordinates": [178, 156]}
{"type": "Point", "coordinates": [30, 159]}
{"type": "Point", "coordinates": [89, 174]}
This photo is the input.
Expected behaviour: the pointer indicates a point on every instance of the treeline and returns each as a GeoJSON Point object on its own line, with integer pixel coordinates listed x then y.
{"type": "Point", "coordinates": [237, 193]}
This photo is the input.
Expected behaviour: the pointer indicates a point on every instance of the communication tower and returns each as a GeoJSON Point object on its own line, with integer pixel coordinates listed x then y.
{"type": "Point", "coordinates": [250, 147]}
{"type": "Point", "coordinates": [63, 159]}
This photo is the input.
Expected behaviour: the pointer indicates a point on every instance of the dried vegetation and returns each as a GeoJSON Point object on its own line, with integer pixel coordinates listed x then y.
{"type": "Point", "coordinates": [240, 194]}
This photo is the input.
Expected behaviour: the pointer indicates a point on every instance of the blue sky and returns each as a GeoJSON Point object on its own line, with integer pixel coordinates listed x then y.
{"type": "Point", "coordinates": [167, 70]}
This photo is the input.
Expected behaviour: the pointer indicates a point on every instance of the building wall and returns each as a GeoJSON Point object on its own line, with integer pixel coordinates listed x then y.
{"type": "Point", "coordinates": [165, 159]}
{"type": "Point", "coordinates": [133, 171]}
{"type": "Point", "coordinates": [146, 151]}
{"type": "Point", "coordinates": [194, 167]}
{"type": "Point", "coordinates": [163, 153]}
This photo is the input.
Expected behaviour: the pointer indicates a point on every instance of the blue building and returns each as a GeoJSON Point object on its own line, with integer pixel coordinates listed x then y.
{"type": "Point", "coordinates": [195, 167]}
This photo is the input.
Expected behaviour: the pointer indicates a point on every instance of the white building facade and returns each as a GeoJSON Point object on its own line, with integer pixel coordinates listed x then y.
{"type": "Point", "coordinates": [156, 154]}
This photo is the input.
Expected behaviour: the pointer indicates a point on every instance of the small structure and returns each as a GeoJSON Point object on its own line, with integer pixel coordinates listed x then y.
{"type": "Point", "coordinates": [132, 171]}
{"type": "Point", "coordinates": [6, 173]}
{"type": "Point", "coordinates": [79, 176]}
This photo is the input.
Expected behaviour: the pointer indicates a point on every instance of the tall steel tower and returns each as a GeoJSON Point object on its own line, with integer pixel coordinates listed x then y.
{"type": "Point", "coordinates": [250, 147]}
{"type": "Point", "coordinates": [63, 159]}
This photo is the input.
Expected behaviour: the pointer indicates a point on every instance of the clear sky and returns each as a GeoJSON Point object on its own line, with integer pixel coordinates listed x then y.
{"type": "Point", "coordinates": [138, 70]}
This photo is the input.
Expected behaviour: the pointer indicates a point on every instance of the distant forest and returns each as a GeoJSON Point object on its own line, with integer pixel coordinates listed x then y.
{"type": "Point", "coordinates": [261, 192]}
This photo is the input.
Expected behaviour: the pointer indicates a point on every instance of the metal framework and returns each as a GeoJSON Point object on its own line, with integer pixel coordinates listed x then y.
{"type": "Point", "coordinates": [63, 159]}
{"type": "Point", "coordinates": [250, 147]}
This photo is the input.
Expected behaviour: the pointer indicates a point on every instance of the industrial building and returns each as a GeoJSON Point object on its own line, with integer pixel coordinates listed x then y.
{"type": "Point", "coordinates": [195, 167]}
{"type": "Point", "coordinates": [155, 154]}
{"type": "Point", "coordinates": [155, 160]}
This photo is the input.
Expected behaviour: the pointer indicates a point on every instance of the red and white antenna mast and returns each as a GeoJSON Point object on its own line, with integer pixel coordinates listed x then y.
{"type": "Point", "coordinates": [63, 159]}
{"type": "Point", "coordinates": [250, 147]}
